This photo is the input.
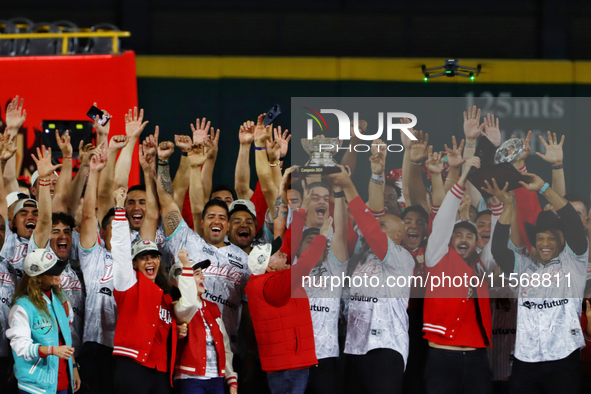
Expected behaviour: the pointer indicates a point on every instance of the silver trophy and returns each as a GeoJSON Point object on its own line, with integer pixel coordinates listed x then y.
{"type": "Point", "coordinates": [497, 163]}
{"type": "Point", "coordinates": [321, 150]}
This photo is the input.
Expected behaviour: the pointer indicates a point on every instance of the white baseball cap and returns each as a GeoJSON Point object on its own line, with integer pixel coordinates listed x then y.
{"type": "Point", "coordinates": [11, 198]}
{"type": "Point", "coordinates": [21, 204]}
{"type": "Point", "coordinates": [260, 255]}
{"type": "Point", "coordinates": [36, 175]}
{"type": "Point", "coordinates": [144, 246]}
{"type": "Point", "coordinates": [42, 261]}
{"type": "Point", "coordinates": [243, 205]}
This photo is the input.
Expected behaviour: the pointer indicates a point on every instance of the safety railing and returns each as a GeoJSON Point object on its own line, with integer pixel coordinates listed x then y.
{"type": "Point", "coordinates": [115, 35]}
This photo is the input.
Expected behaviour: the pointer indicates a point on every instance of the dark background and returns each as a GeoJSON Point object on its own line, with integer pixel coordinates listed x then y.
{"type": "Point", "coordinates": [523, 29]}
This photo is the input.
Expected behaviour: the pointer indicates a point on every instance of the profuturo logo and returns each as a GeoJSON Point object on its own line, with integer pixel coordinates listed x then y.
{"type": "Point", "coordinates": [345, 128]}
{"type": "Point", "coordinates": [545, 304]}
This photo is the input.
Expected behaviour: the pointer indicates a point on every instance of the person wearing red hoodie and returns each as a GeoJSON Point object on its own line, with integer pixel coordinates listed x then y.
{"type": "Point", "coordinates": [280, 312]}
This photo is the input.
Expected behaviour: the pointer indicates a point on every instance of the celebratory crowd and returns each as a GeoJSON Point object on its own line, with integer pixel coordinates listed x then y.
{"type": "Point", "coordinates": [174, 285]}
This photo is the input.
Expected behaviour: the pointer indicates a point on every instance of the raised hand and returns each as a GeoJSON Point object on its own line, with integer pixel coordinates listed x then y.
{"type": "Point", "coordinates": [200, 129]}
{"type": "Point", "coordinates": [197, 155]}
{"type": "Point", "coordinates": [147, 158]}
{"type": "Point", "coordinates": [15, 114]}
{"type": "Point", "coordinates": [340, 179]}
{"type": "Point", "coordinates": [273, 151]}
{"type": "Point", "coordinates": [501, 194]}
{"type": "Point", "coordinates": [378, 157]}
{"type": "Point", "coordinates": [418, 148]}
{"type": "Point", "coordinates": [326, 227]}
{"type": "Point", "coordinates": [133, 123]}
{"type": "Point", "coordinates": [262, 134]}
{"type": "Point", "coordinates": [454, 155]}
{"type": "Point", "coordinates": [465, 206]}
{"type": "Point", "coordinates": [85, 152]}
{"type": "Point", "coordinates": [282, 139]}
{"type": "Point", "coordinates": [554, 153]}
{"type": "Point", "coordinates": [434, 163]}
{"type": "Point", "coordinates": [102, 130]}
{"type": "Point", "coordinates": [118, 142]}
{"type": "Point", "coordinates": [165, 150]}
{"type": "Point", "coordinates": [534, 182]}
{"type": "Point", "coordinates": [492, 130]}
{"type": "Point", "coordinates": [183, 142]}
{"type": "Point", "coordinates": [406, 142]}
{"type": "Point", "coordinates": [43, 162]}
{"type": "Point", "coordinates": [286, 179]}
{"type": "Point", "coordinates": [119, 195]}
{"type": "Point", "coordinates": [472, 125]}
{"type": "Point", "coordinates": [7, 145]}
{"type": "Point", "coordinates": [184, 258]}
{"type": "Point", "coordinates": [214, 139]}
{"type": "Point", "coordinates": [246, 133]}
{"type": "Point", "coordinates": [361, 130]}
{"type": "Point", "coordinates": [526, 148]}
{"type": "Point", "coordinates": [474, 161]}
{"type": "Point", "coordinates": [63, 142]}
{"type": "Point", "coordinates": [98, 159]}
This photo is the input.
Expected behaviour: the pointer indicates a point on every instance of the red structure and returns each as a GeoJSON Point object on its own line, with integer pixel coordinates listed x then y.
{"type": "Point", "coordinates": [64, 87]}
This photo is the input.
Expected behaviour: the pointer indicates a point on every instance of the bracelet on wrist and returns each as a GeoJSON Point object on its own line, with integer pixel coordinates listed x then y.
{"type": "Point", "coordinates": [49, 350]}
{"type": "Point", "coordinates": [377, 179]}
{"type": "Point", "coordinates": [259, 148]}
{"type": "Point", "coordinates": [66, 157]}
{"type": "Point", "coordinates": [162, 162]}
{"type": "Point", "coordinates": [183, 153]}
{"type": "Point", "coordinates": [340, 194]}
{"type": "Point", "coordinates": [543, 188]}
{"type": "Point", "coordinates": [416, 164]}
{"type": "Point", "coordinates": [274, 165]}
{"type": "Point", "coordinates": [558, 166]}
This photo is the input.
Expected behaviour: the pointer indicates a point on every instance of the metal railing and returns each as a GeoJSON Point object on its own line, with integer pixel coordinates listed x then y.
{"type": "Point", "coordinates": [115, 35]}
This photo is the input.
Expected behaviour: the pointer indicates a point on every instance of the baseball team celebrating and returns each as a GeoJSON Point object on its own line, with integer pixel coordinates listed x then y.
{"type": "Point", "coordinates": [189, 286]}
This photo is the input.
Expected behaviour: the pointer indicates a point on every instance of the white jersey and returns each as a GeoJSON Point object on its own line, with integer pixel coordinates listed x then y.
{"type": "Point", "coordinates": [14, 251]}
{"type": "Point", "coordinates": [167, 258]}
{"type": "Point", "coordinates": [548, 317]}
{"type": "Point", "coordinates": [100, 308]}
{"type": "Point", "coordinates": [225, 278]}
{"type": "Point", "coordinates": [6, 293]}
{"type": "Point", "coordinates": [377, 316]}
{"type": "Point", "coordinates": [324, 306]}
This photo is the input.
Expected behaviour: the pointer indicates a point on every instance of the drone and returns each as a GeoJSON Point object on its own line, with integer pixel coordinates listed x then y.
{"type": "Point", "coordinates": [451, 68]}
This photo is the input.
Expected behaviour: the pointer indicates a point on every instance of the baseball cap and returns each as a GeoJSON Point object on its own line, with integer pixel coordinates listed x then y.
{"type": "Point", "coordinates": [21, 204]}
{"type": "Point", "coordinates": [468, 225]}
{"type": "Point", "coordinates": [177, 269]}
{"type": "Point", "coordinates": [243, 205]}
{"type": "Point", "coordinates": [36, 175]}
{"type": "Point", "coordinates": [11, 198]}
{"type": "Point", "coordinates": [142, 247]}
{"type": "Point", "coordinates": [42, 261]}
{"type": "Point", "coordinates": [259, 256]}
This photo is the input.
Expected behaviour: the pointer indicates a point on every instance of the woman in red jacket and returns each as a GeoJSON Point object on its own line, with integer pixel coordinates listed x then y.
{"type": "Point", "coordinates": [145, 339]}
{"type": "Point", "coordinates": [204, 357]}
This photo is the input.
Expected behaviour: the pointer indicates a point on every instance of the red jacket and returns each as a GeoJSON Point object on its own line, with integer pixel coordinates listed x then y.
{"type": "Point", "coordinates": [447, 309]}
{"type": "Point", "coordinates": [192, 349]}
{"type": "Point", "coordinates": [138, 309]}
{"type": "Point", "coordinates": [282, 324]}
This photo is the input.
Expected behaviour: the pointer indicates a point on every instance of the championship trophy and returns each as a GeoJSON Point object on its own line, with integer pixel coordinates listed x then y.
{"type": "Point", "coordinates": [497, 163]}
{"type": "Point", "coordinates": [321, 150]}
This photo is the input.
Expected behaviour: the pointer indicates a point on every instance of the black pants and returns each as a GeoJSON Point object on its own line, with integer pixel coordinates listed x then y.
{"type": "Point", "coordinates": [251, 377]}
{"type": "Point", "coordinates": [131, 377]}
{"type": "Point", "coordinates": [457, 372]}
{"type": "Point", "coordinates": [97, 368]}
{"type": "Point", "coordinates": [8, 382]}
{"type": "Point", "coordinates": [322, 377]}
{"type": "Point", "coordinates": [560, 376]}
{"type": "Point", "coordinates": [414, 375]}
{"type": "Point", "coordinates": [378, 371]}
